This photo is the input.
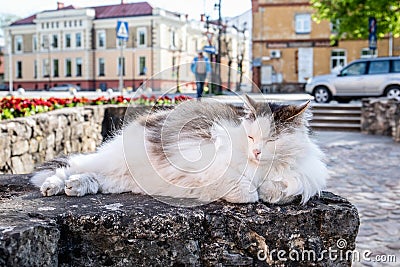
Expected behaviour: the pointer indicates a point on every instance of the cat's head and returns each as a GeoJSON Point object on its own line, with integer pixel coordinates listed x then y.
{"type": "Point", "coordinates": [269, 124]}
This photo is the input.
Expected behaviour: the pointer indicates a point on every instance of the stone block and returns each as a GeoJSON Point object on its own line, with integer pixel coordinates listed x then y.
{"type": "Point", "coordinates": [33, 145]}
{"type": "Point", "coordinates": [136, 230]}
{"type": "Point", "coordinates": [20, 147]}
{"type": "Point", "coordinates": [5, 149]}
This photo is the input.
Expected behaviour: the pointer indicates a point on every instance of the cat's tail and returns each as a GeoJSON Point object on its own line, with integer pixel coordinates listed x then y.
{"type": "Point", "coordinates": [48, 169]}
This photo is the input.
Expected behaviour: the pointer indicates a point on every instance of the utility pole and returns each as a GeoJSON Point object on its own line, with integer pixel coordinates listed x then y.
{"type": "Point", "coordinates": [218, 59]}
{"type": "Point", "coordinates": [241, 52]}
{"type": "Point", "coordinates": [121, 67]}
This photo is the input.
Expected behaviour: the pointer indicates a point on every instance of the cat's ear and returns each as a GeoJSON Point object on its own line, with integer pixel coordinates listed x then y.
{"type": "Point", "coordinates": [249, 107]}
{"type": "Point", "coordinates": [290, 113]}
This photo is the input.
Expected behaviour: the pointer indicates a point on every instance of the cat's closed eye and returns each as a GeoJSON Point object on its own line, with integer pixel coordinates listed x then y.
{"type": "Point", "coordinates": [251, 138]}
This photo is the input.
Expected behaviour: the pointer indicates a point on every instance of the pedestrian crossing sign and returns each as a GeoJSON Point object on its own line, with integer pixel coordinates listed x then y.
{"type": "Point", "coordinates": [122, 30]}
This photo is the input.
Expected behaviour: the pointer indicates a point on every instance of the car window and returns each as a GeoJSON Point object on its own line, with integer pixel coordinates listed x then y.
{"type": "Point", "coordinates": [354, 69]}
{"type": "Point", "coordinates": [396, 65]}
{"type": "Point", "coordinates": [379, 67]}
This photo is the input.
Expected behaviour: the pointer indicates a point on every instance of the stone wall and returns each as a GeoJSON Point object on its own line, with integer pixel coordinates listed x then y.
{"type": "Point", "coordinates": [26, 142]}
{"type": "Point", "coordinates": [381, 116]}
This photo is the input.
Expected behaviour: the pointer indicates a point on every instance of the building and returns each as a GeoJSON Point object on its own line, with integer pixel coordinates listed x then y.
{"type": "Point", "coordinates": [289, 47]}
{"type": "Point", "coordinates": [80, 46]}
{"type": "Point", "coordinates": [1, 57]}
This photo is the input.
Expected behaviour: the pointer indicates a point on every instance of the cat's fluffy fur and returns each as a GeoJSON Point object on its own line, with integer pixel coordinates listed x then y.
{"type": "Point", "coordinates": [205, 151]}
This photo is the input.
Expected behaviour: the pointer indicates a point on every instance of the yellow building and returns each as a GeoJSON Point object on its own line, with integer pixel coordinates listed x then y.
{"type": "Point", "coordinates": [289, 47]}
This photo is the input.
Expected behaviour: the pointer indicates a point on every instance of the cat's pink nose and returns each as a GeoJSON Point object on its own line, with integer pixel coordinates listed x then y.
{"type": "Point", "coordinates": [256, 152]}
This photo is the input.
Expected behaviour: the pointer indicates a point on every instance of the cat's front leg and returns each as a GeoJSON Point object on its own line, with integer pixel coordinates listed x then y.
{"type": "Point", "coordinates": [81, 184]}
{"type": "Point", "coordinates": [242, 192]}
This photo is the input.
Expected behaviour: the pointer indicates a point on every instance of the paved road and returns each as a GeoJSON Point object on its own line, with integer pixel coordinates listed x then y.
{"type": "Point", "coordinates": [365, 169]}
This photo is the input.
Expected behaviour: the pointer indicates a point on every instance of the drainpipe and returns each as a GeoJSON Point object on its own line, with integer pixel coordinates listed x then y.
{"type": "Point", "coordinates": [390, 44]}
{"type": "Point", "coordinates": [10, 63]}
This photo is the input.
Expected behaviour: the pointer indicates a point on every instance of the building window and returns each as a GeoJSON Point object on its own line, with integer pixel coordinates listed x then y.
{"type": "Point", "coordinates": [35, 69]}
{"type": "Point", "coordinates": [173, 38]}
{"type": "Point", "coordinates": [142, 66]}
{"type": "Point", "coordinates": [54, 43]}
{"type": "Point", "coordinates": [19, 70]}
{"type": "Point", "coordinates": [78, 67]}
{"type": "Point", "coordinates": [55, 68]}
{"type": "Point", "coordinates": [121, 66]}
{"type": "Point", "coordinates": [338, 59]}
{"type": "Point", "coordinates": [303, 23]}
{"type": "Point", "coordinates": [34, 43]}
{"type": "Point", "coordinates": [78, 39]}
{"type": "Point", "coordinates": [68, 40]}
{"type": "Point", "coordinates": [101, 67]}
{"type": "Point", "coordinates": [46, 68]}
{"type": "Point", "coordinates": [101, 39]}
{"type": "Point", "coordinates": [368, 53]}
{"type": "Point", "coordinates": [68, 67]}
{"type": "Point", "coordinates": [141, 36]}
{"type": "Point", "coordinates": [45, 42]}
{"type": "Point", "coordinates": [18, 44]}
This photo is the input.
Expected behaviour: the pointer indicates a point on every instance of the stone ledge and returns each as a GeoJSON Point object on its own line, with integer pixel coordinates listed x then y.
{"type": "Point", "coordinates": [136, 230]}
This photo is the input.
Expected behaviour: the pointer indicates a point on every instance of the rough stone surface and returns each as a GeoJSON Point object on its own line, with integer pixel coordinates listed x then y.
{"type": "Point", "coordinates": [381, 116]}
{"type": "Point", "coordinates": [136, 230]}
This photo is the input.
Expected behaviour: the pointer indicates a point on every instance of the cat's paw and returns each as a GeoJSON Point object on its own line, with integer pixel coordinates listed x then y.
{"type": "Point", "coordinates": [81, 184]}
{"type": "Point", "coordinates": [240, 196]}
{"type": "Point", "coordinates": [52, 186]}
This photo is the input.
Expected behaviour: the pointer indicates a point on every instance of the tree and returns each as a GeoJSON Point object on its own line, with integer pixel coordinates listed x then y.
{"type": "Point", "coordinates": [350, 17]}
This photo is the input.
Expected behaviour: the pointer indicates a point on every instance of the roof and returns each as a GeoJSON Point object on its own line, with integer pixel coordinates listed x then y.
{"type": "Point", "coordinates": [104, 12]}
{"type": "Point", "coordinates": [27, 20]}
{"type": "Point", "coordinates": [123, 10]}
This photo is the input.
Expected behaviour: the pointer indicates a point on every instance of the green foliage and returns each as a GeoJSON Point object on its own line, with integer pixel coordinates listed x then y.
{"type": "Point", "coordinates": [351, 16]}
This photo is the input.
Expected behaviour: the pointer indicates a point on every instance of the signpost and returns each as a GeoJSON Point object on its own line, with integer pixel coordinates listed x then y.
{"type": "Point", "coordinates": [209, 49]}
{"type": "Point", "coordinates": [372, 34]}
{"type": "Point", "coordinates": [123, 36]}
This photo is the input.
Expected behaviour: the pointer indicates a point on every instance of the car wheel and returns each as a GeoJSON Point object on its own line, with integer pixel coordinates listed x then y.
{"type": "Point", "coordinates": [393, 91]}
{"type": "Point", "coordinates": [322, 94]}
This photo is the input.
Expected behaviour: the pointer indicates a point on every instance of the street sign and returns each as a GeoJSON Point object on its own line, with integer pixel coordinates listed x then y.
{"type": "Point", "coordinates": [209, 49]}
{"type": "Point", "coordinates": [372, 33]}
{"type": "Point", "coordinates": [122, 30]}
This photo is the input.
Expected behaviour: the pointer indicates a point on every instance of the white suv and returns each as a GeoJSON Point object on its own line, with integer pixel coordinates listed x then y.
{"type": "Point", "coordinates": [361, 78]}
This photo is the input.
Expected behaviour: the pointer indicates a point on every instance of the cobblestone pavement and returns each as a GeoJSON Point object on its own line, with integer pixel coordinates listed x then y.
{"type": "Point", "coordinates": [366, 170]}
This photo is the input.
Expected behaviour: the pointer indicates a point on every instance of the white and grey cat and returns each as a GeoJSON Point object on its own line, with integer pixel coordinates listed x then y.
{"type": "Point", "coordinates": [199, 150]}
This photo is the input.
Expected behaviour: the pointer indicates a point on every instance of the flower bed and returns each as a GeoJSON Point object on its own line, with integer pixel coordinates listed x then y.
{"type": "Point", "coordinates": [13, 107]}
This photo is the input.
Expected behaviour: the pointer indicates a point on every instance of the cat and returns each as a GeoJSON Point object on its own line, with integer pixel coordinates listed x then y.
{"type": "Point", "coordinates": [200, 150]}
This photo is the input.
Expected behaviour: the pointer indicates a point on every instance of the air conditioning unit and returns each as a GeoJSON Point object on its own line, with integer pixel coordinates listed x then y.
{"type": "Point", "coordinates": [275, 53]}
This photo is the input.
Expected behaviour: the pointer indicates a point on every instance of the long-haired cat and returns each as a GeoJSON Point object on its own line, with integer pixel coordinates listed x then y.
{"type": "Point", "coordinates": [200, 150]}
